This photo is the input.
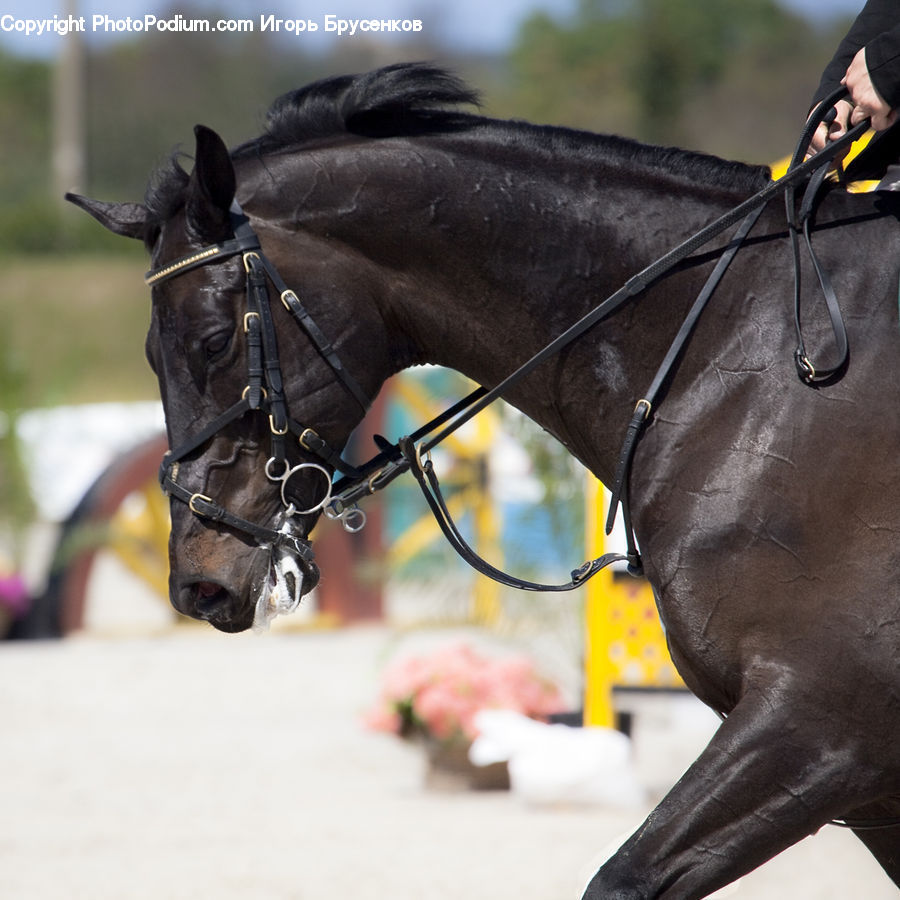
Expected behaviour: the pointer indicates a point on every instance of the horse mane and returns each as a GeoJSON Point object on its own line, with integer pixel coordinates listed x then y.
{"type": "Point", "coordinates": [400, 99]}
{"type": "Point", "coordinates": [404, 98]}
{"type": "Point", "coordinates": [165, 194]}
{"type": "Point", "coordinates": [407, 99]}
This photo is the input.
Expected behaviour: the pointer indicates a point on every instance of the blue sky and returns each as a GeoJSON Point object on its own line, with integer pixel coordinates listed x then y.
{"type": "Point", "coordinates": [469, 24]}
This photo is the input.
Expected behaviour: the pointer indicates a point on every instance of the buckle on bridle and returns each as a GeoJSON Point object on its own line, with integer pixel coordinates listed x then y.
{"type": "Point", "coordinates": [412, 452]}
{"type": "Point", "coordinates": [200, 499]}
{"type": "Point", "coordinates": [275, 429]}
{"type": "Point", "coordinates": [805, 368]}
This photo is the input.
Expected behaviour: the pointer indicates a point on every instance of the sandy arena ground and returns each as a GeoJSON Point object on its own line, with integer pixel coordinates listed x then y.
{"type": "Point", "coordinates": [199, 765]}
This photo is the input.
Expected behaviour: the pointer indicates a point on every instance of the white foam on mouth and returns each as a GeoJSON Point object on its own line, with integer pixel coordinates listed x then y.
{"type": "Point", "coordinates": [278, 594]}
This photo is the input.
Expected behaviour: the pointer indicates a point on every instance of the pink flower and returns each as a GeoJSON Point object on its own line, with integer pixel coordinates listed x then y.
{"type": "Point", "coordinates": [440, 694]}
{"type": "Point", "coordinates": [13, 593]}
{"type": "Point", "coordinates": [382, 719]}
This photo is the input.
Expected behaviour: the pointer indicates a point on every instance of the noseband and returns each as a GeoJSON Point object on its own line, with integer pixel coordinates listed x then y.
{"type": "Point", "coordinates": [264, 393]}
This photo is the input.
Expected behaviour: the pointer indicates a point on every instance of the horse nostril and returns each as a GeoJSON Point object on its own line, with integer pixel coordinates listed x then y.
{"type": "Point", "coordinates": [311, 575]}
{"type": "Point", "coordinates": [206, 589]}
{"type": "Point", "coordinates": [205, 599]}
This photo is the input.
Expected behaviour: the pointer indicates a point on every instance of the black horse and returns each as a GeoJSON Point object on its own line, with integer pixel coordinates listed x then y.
{"type": "Point", "coordinates": [767, 510]}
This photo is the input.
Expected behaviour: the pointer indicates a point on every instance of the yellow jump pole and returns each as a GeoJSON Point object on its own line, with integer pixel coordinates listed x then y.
{"type": "Point", "coordinates": [598, 669]}
{"type": "Point", "coordinates": [486, 602]}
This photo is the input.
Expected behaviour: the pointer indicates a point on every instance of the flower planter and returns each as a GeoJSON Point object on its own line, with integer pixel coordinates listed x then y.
{"type": "Point", "coordinates": [448, 769]}
{"type": "Point", "coordinates": [433, 700]}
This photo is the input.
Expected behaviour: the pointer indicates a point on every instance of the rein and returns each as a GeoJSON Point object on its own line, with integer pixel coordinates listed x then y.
{"type": "Point", "coordinates": [415, 455]}
{"type": "Point", "coordinates": [265, 389]}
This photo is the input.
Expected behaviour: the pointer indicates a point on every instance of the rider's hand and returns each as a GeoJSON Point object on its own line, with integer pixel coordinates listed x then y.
{"type": "Point", "coordinates": [826, 133]}
{"type": "Point", "coordinates": [868, 103]}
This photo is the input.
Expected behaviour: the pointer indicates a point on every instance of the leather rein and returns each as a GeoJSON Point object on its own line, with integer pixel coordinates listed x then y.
{"type": "Point", "coordinates": [264, 392]}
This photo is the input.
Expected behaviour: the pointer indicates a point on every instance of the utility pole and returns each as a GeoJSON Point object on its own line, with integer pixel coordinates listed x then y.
{"type": "Point", "coordinates": [69, 108]}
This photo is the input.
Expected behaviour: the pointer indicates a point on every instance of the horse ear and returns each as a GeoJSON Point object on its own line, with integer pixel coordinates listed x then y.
{"type": "Point", "coordinates": [126, 219]}
{"type": "Point", "coordinates": [211, 187]}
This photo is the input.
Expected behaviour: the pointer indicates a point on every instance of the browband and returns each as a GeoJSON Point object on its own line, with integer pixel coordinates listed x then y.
{"type": "Point", "coordinates": [244, 239]}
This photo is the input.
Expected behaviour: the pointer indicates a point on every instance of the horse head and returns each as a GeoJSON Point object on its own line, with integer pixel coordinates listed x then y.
{"type": "Point", "coordinates": [254, 433]}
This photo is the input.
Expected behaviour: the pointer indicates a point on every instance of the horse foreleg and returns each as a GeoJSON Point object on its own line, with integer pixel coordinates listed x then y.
{"type": "Point", "coordinates": [766, 780]}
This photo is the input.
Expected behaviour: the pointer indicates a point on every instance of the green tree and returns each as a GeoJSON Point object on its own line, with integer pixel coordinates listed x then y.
{"type": "Point", "coordinates": [732, 77]}
{"type": "Point", "coordinates": [24, 126]}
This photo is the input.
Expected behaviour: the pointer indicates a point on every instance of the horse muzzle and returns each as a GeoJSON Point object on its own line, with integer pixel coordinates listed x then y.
{"type": "Point", "coordinates": [247, 596]}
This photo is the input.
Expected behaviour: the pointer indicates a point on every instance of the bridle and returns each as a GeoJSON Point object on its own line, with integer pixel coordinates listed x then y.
{"type": "Point", "coordinates": [264, 392]}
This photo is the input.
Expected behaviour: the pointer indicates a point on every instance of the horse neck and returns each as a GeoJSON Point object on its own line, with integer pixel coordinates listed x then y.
{"type": "Point", "coordinates": [479, 254]}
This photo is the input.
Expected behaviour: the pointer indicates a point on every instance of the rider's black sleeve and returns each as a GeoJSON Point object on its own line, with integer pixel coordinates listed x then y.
{"type": "Point", "coordinates": [877, 28]}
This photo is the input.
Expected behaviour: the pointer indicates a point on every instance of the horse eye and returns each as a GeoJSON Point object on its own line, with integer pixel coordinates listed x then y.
{"type": "Point", "coordinates": [216, 345]}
